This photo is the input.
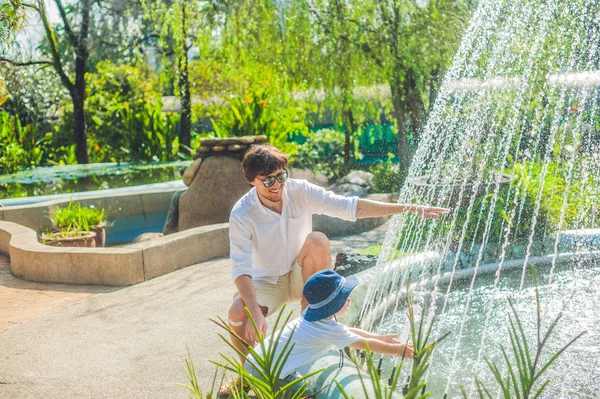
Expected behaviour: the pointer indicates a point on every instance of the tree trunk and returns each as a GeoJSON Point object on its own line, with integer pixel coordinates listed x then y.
{"type": "Point", "coordinates": [185, 123]}
{"type": "Point", "coordinates": [81, 148]}
{"type": "Point", "coordinates": [348, 120]}
{"type": "Point", "coordinates": [78, 91]}
{"type": "Point", "coordinates": [398, 112]}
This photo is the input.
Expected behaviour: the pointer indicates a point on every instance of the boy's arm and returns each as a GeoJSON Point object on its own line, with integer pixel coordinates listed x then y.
{"type": "Point", "coordinates": [364, 334]}
{"type": "Point", "coordinates": [378, 346]}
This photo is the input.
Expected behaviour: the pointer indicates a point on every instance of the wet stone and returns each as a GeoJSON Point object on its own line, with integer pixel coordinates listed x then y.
{"type": "Point", "coordinates": [219, 148]}
{"type": "Point", "coordinates": [203, 149]}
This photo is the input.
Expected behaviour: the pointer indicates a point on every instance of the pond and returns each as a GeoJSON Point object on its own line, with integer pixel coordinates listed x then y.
{"type": "Point", "coordinates": [574, 287]}
{"type": "Point", "coordinates": [77, 178]}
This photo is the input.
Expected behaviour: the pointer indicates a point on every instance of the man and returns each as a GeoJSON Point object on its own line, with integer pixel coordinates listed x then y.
{"type": "Point", "coordinates": [273, 248]}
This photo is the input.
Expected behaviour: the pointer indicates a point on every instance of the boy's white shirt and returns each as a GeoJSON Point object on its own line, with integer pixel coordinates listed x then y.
{"type": "Point", "coordinates": [265, 244]}
{"type": "Point", "coordinates": [311, 339]}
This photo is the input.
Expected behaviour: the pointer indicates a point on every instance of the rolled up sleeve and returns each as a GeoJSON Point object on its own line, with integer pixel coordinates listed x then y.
{"type": "Point", "coordinates": [328, 203]}
{"type": "Point", "coordinates": [240, 242]}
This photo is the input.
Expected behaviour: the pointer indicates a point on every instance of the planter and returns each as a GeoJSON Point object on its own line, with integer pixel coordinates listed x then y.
{"type": "Point", "coordinates": [79, 239]}
{"type": "Point", "coordinates": [100, 231]}
{"type": "Point", "coordinates": [448, 193]}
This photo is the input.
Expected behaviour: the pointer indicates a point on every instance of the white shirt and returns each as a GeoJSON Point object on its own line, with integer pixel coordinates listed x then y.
{"type": "Point", "coordinates": [312, 340]}
{"type": "Point", "coordinates": [265, 244]}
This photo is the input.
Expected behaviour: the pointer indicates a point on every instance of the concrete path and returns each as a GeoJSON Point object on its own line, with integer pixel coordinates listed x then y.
{"type": "Point", "coordinates": [125, 343]}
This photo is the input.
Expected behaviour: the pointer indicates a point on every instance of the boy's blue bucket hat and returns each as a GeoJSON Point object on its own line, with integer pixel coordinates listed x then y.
{"type": "Point", "coordinates": [326, 293]}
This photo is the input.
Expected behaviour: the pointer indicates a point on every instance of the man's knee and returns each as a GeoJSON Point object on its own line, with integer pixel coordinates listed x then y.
{"type": "Point", "coordinates": [318, 241]}
{"type": "Point", "coordinates": [237, 313]}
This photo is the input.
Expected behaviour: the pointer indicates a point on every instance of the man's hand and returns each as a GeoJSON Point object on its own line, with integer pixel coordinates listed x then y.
{"type": "Point", "coordinates": [427, 212]}
{"type": "Point", "coordinates": [261, 324]}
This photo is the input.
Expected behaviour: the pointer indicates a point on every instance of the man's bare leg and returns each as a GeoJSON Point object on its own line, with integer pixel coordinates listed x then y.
{"type": "Point", "coordinates": [238, 318]}
{"type": "Point", "coordinates": [314, 256]}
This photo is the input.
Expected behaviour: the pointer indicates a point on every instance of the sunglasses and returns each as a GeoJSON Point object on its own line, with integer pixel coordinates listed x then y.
{"type": "Point", "coordinates": [280, 177]}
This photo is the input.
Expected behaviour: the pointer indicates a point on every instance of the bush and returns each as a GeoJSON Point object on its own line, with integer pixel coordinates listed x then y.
{"type": "Point", "coordinates": [262, 112]}
{"type": "Point", "coordinates": [387, 177]}
{"type": "Point", "coordinates": [125, 116]}
{"type": "Point", "coordinates": [322, 153]}
{"type": "Point", "coordinates": [19, 145]}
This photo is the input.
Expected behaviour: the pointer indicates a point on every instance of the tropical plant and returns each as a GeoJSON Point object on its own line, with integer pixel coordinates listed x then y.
{"type": "Point", "coordinates": [423, 349]}
{"type": "Point", "coordinates": [526, 369]}
{"type": "Point", "coordinates": [20, 146]}
{"type": "Point", "coordinates": [260, 112]}
{"type": "Point", "coordinates": [268, 363]}
{"type": "Point", "coordinates": [76, 218]}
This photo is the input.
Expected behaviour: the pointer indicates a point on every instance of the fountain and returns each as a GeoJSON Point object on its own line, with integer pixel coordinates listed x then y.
{"type": "Point", "coordinates": [522, 99]}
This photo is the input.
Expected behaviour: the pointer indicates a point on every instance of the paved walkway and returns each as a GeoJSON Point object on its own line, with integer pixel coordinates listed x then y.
{"type": "Point", "coordinates": [98, 342]}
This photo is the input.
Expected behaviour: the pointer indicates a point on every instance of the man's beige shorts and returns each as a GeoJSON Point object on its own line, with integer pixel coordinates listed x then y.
{"type": "Point", "coordinates": [287, 289]}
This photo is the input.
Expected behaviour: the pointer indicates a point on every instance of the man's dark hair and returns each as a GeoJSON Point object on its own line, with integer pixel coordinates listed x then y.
{"type": "Point", "coordinates": [262, 160]}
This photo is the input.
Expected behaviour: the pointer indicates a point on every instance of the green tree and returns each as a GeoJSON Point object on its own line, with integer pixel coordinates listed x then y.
{"type": "Point", "coordinates": [412, 43]}
{"type": "Point", "coordinates": [11, 19]}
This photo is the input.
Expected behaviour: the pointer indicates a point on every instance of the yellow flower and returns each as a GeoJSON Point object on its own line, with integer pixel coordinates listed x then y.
{"type": "Point", "coordinates": [263, 103]}
{"type": "Point", "coordinates": [248, 99]}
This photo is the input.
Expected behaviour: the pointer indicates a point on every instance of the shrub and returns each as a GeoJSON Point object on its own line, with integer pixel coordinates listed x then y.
{"type": "Point", "coordinates": [387, 177]}
{"type": "Point", "coordinates": [322, 153]}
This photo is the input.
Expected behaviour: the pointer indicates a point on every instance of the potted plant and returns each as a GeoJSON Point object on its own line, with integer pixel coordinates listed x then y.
{"type": "Point", "coordinates": [76, 226]}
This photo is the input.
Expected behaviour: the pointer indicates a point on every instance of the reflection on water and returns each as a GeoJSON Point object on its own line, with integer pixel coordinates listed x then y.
{"type": "Point", "coordinates": [575, 374]}
{"type": "Point", "coordinates": [78, 178]}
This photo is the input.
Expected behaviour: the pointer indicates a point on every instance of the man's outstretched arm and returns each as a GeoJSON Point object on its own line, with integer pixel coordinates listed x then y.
{"type": "Point", "coordinates": [370, 209]}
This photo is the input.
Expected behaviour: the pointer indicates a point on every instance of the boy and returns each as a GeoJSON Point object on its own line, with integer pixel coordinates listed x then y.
{"type": "Point", "coordinates": [316, 331]}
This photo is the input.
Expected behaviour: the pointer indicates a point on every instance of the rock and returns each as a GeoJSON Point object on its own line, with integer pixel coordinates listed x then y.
{"type": "Point", "coordinates": [236, 147]}
{"type": "Point", "coordinates": [227, 141]}
{"type": "Point", "coordinates": [357, 183]}
{"type": "Point", "coordinates": [218, 184]}
{"type": "Point", "coordinates": [358, 177]}
{"type": "Point", "coordinates": [347, 262]}
{"type": "Point", "coordinates": [146, 237]}
{"type": "Point", "coordinates": [246, 139]}
{"type": "Point", "coordinates": [260, 139]}
{"type": "Point", "coordinates": [208, 142]}
{"type": "Point", "coordinates": [203, 149]}
{"type": "Point", "coordinates": [172, 222]}
{"type": "Point", "coordinates": [190, 172]}
{"type": "Point", "coordinates": [219, 148]}
{"type": "Point", "coordinates": [350, 190]}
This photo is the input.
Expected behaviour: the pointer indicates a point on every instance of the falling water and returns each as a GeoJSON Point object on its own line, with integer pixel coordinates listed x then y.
{"type": "Point", "coordinates": [512, 148]}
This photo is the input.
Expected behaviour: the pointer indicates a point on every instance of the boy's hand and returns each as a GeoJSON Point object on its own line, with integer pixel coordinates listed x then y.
{"type": "Point", "coordinates": [389, 338]}
{"type": "Point", "coordinates": [406, 351]}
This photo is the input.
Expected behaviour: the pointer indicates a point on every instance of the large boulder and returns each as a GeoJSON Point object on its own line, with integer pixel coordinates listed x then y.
{"type": "Point", "coordinates": [219, 183]}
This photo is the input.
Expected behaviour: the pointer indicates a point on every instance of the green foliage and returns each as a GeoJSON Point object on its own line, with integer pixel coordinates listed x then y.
{"type": "Point", "coordinates": [19, 145]}
{"type": "Point", "coordinates": [126, 121]}
{"type": "Point", "coordinates": [386, 177]}
{"type": "Point", "coordinates": [261, 112]}
{"type": "Point", "coordinates": [423, 349]}
{"type": "Point", "coordinates": [526, 368]}
{"type": "Point", "coordinates": [268, 365]}
{"type": "Point", "coordinates": [76, 217]}
{"type": "Point", "coordinates": [322, 153]}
